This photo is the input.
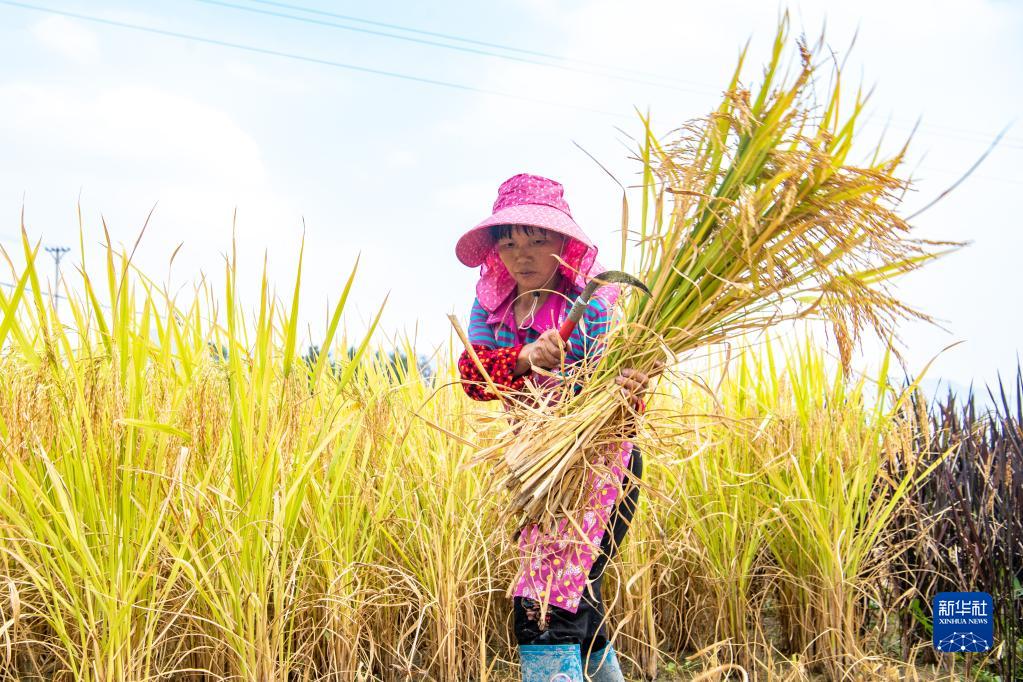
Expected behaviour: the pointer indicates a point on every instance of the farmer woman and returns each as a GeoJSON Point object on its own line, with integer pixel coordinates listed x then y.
{"type": "Point", "coordinates": [523, 294]}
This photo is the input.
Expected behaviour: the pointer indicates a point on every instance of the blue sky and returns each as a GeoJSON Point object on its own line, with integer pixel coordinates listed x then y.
{"type": "Point", "coordinates": [396, 170]}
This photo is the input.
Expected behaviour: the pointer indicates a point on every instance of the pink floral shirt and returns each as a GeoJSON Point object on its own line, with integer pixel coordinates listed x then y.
{"type": "Point", "coordinates": [553, 565]}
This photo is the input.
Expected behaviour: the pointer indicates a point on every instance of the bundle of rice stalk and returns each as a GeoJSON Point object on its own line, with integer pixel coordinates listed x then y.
{"type": "Point", "coordinates": [751, 216]}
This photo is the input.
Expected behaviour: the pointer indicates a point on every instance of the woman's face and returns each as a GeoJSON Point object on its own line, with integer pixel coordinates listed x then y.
{"type": "Point", "coordinates": [530, 253]}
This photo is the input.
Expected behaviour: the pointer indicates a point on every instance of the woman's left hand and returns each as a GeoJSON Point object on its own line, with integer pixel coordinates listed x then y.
{"type": "Point", "coordinates": [634, 384]}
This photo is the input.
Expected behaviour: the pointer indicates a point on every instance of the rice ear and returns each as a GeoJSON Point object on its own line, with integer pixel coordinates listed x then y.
{"type": "Point", "coordinates": [748, 215]}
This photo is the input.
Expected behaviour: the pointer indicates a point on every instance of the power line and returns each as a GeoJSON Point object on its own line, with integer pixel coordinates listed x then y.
{"type": "Point", "coordinates": [1015, 143]}
{"type": "Point", "coordinates": [10, 285]}
{"type": "Point", "coordinates": [62, 296]}
{"type": "Point", "coordinates": [341, 65]}
{"type": "Point", "coordinates": [304, 58]}
{"type": "Point", "coordinates": [458, 48]}
{"type": "Point", "coordinates": [949, 133]}
{"type": "Point", "coordinates": [59, 296]}
{"type": "Point", "coordinates": [470, 41]}
{"type": "Point", "coordinates": [989, 178]}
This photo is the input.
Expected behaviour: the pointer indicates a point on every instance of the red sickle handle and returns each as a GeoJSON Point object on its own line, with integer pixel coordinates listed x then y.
{"type": "Point", "coordinates": [566, 329]}
{"type": "Point", "coordinates": [576, 313]}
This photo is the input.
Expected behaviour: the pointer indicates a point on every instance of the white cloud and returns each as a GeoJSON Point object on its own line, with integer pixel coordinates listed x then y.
{"type": "Point", "coordinates": [458, 196]}
{"type": "Point", "coordinates": [68, 37]}
{"type": "Point", "coordinates": [155, 132]}
{"type": "Point", "coordinates": [275, 77]}
{"type": "Point", "coordinates": [125, 149]}
{"type": "Point", "coordinates": [400, 159]}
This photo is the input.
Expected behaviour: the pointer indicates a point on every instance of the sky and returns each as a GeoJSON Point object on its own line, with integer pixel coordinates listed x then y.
{"type": "Point", "coordinates": [387, 149]}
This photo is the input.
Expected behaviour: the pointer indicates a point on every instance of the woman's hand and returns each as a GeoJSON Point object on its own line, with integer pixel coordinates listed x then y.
{"type": "Point", "coordinates": [548, 352]}
{"type": "Point", "coordinates": [635, 383]}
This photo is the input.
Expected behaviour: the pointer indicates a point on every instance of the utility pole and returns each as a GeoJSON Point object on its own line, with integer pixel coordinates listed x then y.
{"type": "Point", "coordinates": [57, 252]}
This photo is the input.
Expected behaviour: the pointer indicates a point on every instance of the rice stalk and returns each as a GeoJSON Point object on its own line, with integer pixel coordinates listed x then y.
{"type": "Point", "coordinates": [755, 215]}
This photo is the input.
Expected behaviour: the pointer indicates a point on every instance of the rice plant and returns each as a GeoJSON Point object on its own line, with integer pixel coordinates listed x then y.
{"type": "Point", "coordinates": [756, 214]}
{"type": "Point", "coordinates": [965, 525]}
{"type": "Point", "coordinates": [186, 496]}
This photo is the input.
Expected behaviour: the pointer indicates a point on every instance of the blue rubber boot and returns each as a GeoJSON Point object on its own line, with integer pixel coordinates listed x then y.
{"type": "Point", "coordinates": [602, 666]}
{"type": "Point", "coordinates": [551, 663]}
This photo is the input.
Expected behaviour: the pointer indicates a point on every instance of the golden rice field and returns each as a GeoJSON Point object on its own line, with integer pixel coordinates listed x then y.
{"type": "Point", "coordinates": [171, 511]}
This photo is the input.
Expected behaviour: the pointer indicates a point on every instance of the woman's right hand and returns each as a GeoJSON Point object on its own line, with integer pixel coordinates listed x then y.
{"type": "Point", "coordinates": [548, 351]}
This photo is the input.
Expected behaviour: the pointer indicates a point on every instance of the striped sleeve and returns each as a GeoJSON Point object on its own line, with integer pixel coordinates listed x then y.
{"type": "Point", "coordinates": [587, 338]}
{"type": "Point", "coordinates": [480, 333]}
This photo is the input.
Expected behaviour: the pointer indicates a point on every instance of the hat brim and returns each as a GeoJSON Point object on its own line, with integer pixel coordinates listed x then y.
{"type": "Point", "coordinates": [473, 246]}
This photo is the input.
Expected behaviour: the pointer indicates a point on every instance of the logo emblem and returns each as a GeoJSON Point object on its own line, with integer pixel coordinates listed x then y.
{"type": "Point", "coordinates": [963, 621]}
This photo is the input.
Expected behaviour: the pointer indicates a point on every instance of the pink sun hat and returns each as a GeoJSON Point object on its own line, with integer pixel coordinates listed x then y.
{"type": "Point", "coordinates": [521, 200]}
{"type": "Point", "coordinates": [538, 202]}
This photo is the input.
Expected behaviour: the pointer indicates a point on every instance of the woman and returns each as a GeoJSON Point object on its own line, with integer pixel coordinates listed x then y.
{"type": "Point", "coordinates": [523, 294]}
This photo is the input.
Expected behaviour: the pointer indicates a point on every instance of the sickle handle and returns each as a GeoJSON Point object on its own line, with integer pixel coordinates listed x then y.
{"type": "Point", "coordinates": [609, 277]}
{"type": "Point", "coordinates": [567, 327]}
{"type": "Point", "coordinates": [576, 313]}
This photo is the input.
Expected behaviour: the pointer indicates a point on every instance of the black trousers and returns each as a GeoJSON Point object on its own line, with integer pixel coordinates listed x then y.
{"type": "Point", "coordinates": [586, 626]}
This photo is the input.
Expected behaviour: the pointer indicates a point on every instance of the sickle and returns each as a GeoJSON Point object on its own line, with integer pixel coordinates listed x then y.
{"type": "Point", "coordinates": [608, 277]}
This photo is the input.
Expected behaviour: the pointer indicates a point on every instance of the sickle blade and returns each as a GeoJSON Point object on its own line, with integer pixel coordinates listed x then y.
{"type": "Point", "coordinates": [619, 277]}
{"type": "Point", "coordinates": [607, 277]}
